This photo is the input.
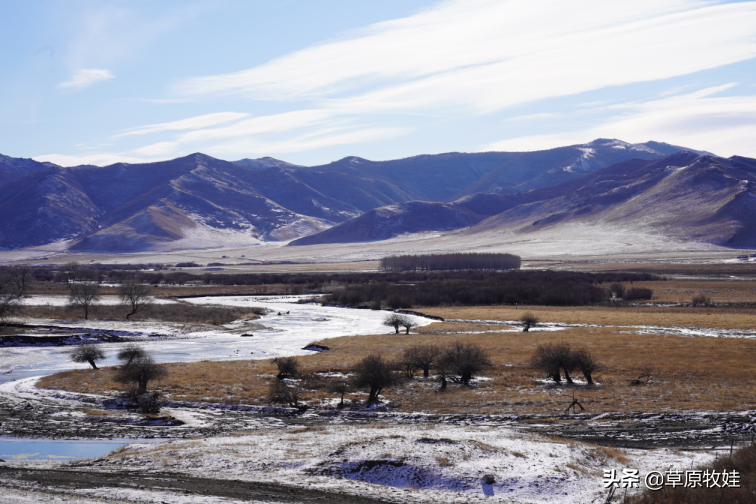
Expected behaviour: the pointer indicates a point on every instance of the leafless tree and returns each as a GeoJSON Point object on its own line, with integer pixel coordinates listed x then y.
{"type": "Point", "coordinates": [407, 364]}
{"type": "Point", "coordinates": [586, 363]}
{"type": "Point", "coordinates": [287, 367]}
{"type": "Point", "coordinates": [375, 374]}
{"type": "Point", "coordinates": [422, 357]}
{"type": "Point", "coordinates": [394, 320]}
{"type": "Point", "coordinates": [9, 297]}
{"type": "Point", "coordinates": [575, 402]}
{"type": "Point", "coordinates": [461, 361]}
{"type": "Point", "coordinates": [340, 387]}
{"type": "Point", "coordinates": [84, 295]}
{"type": "Point", "coordinates": [70, 273]}
{"type": "Point", "coordinates": [280, 393]}
{"type": "Point", "coordinates": [547, 359]}
{"type": "Point", "coordinates": [140, 371]}
{"type": "Point", "coordinates": [528, 320]}
{"type": "Point", "coordinates": [129, 352]}
{"type": "Point", "coordinates": [135, 295]}
{"type": "Point", "coordinates": [408, 324]}
{"type": "Point", "coordinates": [87, 352]}
{"type": "Point", "coordinates": [23, 276]}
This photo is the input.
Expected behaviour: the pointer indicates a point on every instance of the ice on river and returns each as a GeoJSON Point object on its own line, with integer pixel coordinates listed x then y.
{"type": "Point", "coordinates": [287, 334]}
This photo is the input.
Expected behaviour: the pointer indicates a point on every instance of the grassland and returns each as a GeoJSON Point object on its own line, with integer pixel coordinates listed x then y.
{"type": "Point", "coordinates": [689, 373]}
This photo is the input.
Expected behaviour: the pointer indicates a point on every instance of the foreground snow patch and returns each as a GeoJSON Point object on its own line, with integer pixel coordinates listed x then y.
{"type": "Point", "coordinates": [428, 463]}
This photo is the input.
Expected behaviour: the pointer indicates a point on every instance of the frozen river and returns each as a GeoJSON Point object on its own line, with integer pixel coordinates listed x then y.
{"type": "Point", "coordinates": [287, 334]}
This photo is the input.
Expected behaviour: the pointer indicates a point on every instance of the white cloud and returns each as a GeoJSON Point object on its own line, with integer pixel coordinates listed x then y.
{"type": "Point", "coordinates": [158, 149]}
{"type": "Point", "coordinates": [724, 125]}
{"type": "Point", "coordinates": [85, 78]}
{"type": "Point", "coordinates": [311, 141]}
{"type": "Point", "coordinates": [196, 122]}
{"type": "Point", "coordinates": [485, 55]}
{"type": "Point", "coordinates": [98, 159]}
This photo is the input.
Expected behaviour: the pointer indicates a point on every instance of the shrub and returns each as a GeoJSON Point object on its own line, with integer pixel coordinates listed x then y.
{"type": "Point", "coordinates": [701, 300]}
{"type": "Point", "coordinates": [287, 367]}
{"type": "Point", "coordinates": [280, 393]}
{"type": "Point", "coordinates": [638, 293]}
{"type": "Point", "coordinates": [129, 352]}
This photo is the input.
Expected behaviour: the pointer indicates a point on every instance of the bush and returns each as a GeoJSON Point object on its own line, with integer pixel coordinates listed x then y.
{"type": "Point", "coordinates": [287, 367]}
{"type": "Point", "coordinates": [280, 393]}
{"type": "Point", "coordinates": [553, 358]}
{"type": "Point", "coordinates": [637, 294]}
{"type": "Point", "coordinates": [617, 289]}
{"type": "Point", "coordinates": [139, 372]}
{"type": "Point", "coordinates": [701, 300]}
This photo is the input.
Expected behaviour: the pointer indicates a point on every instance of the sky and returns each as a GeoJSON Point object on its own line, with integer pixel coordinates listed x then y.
{"type": "Point", "coordinates": [99, 82]}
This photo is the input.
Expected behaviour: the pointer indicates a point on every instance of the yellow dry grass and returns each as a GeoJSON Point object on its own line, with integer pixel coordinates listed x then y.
{"type": "Point", "coordinates": [743, 318]}
{"type": "Point", "coordinates": [689, 374]}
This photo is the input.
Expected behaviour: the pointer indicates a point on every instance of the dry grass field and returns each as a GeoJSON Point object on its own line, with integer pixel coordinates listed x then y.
{"type": "Point", "coordinates": [689, 373]}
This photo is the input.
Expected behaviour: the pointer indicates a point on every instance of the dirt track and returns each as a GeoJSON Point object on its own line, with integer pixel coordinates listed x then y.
{"type": "Point", "coordinates": [61, 481]}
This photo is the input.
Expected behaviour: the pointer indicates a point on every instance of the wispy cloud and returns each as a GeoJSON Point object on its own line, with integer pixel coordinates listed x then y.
{"type": "Point", "coordinates": [485, 55]}
{"type": "Point", "coordinates": [725, 125]}
{"type": "Point", "coordinates": [202, 121]}
{"type": "Point", "coordinates": [85, 78]}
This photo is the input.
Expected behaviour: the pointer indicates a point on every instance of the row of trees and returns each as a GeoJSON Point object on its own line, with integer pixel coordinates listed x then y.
{"type": "Point", "coordinates": [451, 262]}
{"type": "Point", "coordinates": [458, 363]}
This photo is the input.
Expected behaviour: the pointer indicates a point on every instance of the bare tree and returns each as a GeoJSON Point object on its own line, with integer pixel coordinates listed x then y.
{"type": "Point", "coordinates": [586, 363]}
{"type": "Point", "coordinates": [135, 295]}
{"type": "Point", "coordinates": [140, 371]}
{"type": "Point", "coordinates": [84, 295]}
{"type": "Point", "coordinates": [461, 361]}
{"type": "Point", "coordinates": [528, 320]}
{"type": "Point", "coordinates": [340, 387]}
{"type": "Point", "coordinates": [422, 357]}
{"type": "Point", "coordinates": [287, 367]}
{"type": "Point", "coordinates": [553, 358]}
{"type": "Point", "coordinates": [23, 276]}
{"type": "Point", "coordinates": [394, 320]}
{"type": "Point", "coordinates": [9, 297]}
{"type": "Point", "coordinates": [375, 374]}
{"type": "Point", "coordinates": [407, 364]}
{"type": "Point", "coordinates": [87, 352]}
{"type": "Point", "coordinates": [644, 378]}
{"type": "Point", "coordinates": [575, 402]}
{"type": "Point", "coordinates": [408, 324]}
{"type": "Point", "coordinates": [70, 273]}
{"type": "Point", "coordinates": [129, 352]}
{"type": "Point", "coordinates": [280, 393]}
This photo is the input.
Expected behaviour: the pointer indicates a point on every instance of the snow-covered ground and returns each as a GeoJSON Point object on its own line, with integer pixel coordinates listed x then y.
{"type": "Point", "coordinates": [409, 463]}
{"type": "Point", "coordinates": [287, 334]}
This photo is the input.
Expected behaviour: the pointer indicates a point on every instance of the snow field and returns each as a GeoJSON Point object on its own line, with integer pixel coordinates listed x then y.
{"type": "Point", "coordinates": [415, 463]}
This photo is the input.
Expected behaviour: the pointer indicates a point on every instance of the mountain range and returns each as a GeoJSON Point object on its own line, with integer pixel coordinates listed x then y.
{"type": "Point", "coordinates": [201, 202]}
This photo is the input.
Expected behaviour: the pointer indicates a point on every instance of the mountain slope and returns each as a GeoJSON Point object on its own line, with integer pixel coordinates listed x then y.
{"type": "Point", "coordinates": [686, 196]}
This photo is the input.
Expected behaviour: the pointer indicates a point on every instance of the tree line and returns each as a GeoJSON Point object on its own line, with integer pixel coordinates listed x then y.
{"type": "Point", "coordinates": [451, 262]}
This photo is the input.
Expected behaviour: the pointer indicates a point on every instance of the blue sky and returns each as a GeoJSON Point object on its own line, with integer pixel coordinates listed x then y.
{"type": "Point", "coordinates": [310, 82]}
